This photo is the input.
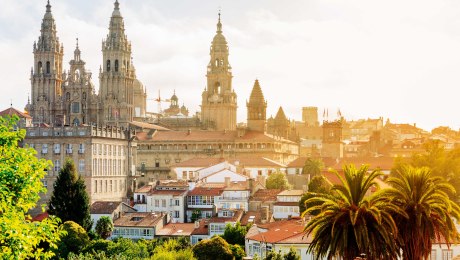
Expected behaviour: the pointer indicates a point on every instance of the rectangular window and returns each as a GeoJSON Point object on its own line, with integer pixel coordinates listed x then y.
{"type": "Point", "coordinates": [447, 254]}
{"type": "Point", "coordinates": [433, 255]}
{"type": "Point", "coordinates": [177, 202]}
{"type": "Point", "coordinates": [69, 148]}
{"type": "Point", "coordinates": [45, 183]}
{"type": "Point", "coordinates": [57, 148]}
{"type": "Point", "coordinates": [75, 107]}
{"type": "Point", "coordinates": [184, 175]}
{"type": "Point", "coordinates": [81, 148]}
{"type": "Point", "coordinates": [163, 203]}
{"type": "Point", "coordinates": [57, 165]}
{"type": "Point", "coordinates": [157, 203]}
{"type": "Point", "coordinates": [176, 214]}
{"type": "Point", "coordinates": [44, 148]}
{"type": "Point", "coordinates": [81, 166]}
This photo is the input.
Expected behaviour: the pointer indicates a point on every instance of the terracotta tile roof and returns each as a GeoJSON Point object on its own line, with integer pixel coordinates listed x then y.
{"type": "Point", "coordinates": [237, 214]}
{"type": "Point", "coordinates": [297, 163]}
{"type": "Point", "coordinates": [104, 207]}
{"type": "Point", "coordinates": [291, 193]}
{"type": "Point", "coordinates": [176, 229]}
{"type": "Point", "coordinates": [237, 185]}
{"type": "Point", "coordinates": [287, 203]}
{"type": "Point", "coordinates": [168, 192]}
{"type": "Point", "coordinates": [246, 162]}
{"type": "Point", "coordinates": [207, 136]}
{"type": "Point", "coordinates": [144, 189]}
{"type": "Point", "coordinates": [280, 232]}
{"type": "Point", "coordinates": [40, 216]}
{"type": "Point", "coordinates": [173, 183]}
{"type": "Point", "coordinates": [203, 228]}
{"type": "Point", "coordinates": [211, 185]}
{"type": "Point", "coordinates": [13, 111]}
{"type": "Point", "coordinates": [200, 162]}
{"type": "Point", "coordinates": [254, 215]}
{"type": "Point", "coordinates": [265, 195]}
{"type": "Point", "coordinates": [301, 238]}
{"type": "Point", "coordinates": [148, 126]}
{"type": "Point", "coordinates": [204, 191]}
{"type": "Point", "coordinates": [138, 219]}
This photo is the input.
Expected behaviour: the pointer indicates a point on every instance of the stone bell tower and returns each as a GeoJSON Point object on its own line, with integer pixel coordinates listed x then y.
{"type": "Point", "coordinates": [218, 106]}
{"type": "Point", "coordinates": [46, 74]}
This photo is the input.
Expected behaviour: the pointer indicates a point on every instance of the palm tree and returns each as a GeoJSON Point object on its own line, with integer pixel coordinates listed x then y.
{"type": "Point", "coordinates": [313, 167]}
{"type": "Point", "coordinates": [430, 211]}
{"type": "Point", "coordinates": [350, 222]}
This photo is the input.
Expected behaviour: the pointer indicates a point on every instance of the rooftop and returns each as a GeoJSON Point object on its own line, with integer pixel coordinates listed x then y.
{"type": "Point", "coordinates": [176, 229]}
{"type": "Point", "coordinates": [139, 219]}
{"type": "Point", "coordinates": [265, 195]}
{"type": "Point", "coordinates": [104, 207]}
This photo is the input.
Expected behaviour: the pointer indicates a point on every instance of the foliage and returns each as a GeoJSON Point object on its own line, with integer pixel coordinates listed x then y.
{"type": "Point", "coordinates": [238, 251]}
{"type": "Point", "coordinates": [350, 222]}
{"type": "Point", "coordinates": [313, 167]}
{"type": "Point", "coordinates": [70, 200]}
{"type": "Point", "coordinates": [172, 250]}
{"type": "Point", "coordinates": [196, 215]}
{"type": "Point", "coordinates": [425, 200]}
{"type": "Point", "coordinates": [128, 248]}
{"type": "Point", "coordinates": [235, 234]}
{"type": "Point", "coordinates": [214, 248]}
{"type": "Point", "coordinates": [273, 255]}
{"type": "Point", "coordinates": [20, 185]}
{"type": "Point", "coordinates": [104, 227]}
{"type": "Point", "coordinates": [75, 239]}
{"type": "Point", "coordinates": [291, 255]}
{"type": "Point", "coordinates": [277, 180]}
{"type": "Point", "coordinates": [318, 184]}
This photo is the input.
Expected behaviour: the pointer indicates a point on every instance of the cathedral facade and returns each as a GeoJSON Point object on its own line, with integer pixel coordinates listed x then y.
{"type": "Point", "coordinates": [60, 97]}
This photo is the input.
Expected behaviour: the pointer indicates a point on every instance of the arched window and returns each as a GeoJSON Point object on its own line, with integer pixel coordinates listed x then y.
{"type": "Point", "coordinates": [48, 67]}
{"type": "Point", "coordinates": [116, 65]}
{"type": "Point", "coordinates": [108, 65]}
{"type": "Point", "coordinates": [67, 96]}
{"type": "Point", "coordinates": [40, 67]}
{"type": "Point", "coordinates": [83, 96]}
{"type": "Point", "coordinates": [217, 63]}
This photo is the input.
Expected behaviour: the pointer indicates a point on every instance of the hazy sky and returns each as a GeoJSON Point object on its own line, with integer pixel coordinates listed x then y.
{"type": "Point", "coordinates": [396, 59]}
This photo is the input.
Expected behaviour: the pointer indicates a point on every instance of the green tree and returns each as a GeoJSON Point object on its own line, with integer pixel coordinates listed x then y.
{"type": "Point", "coordinates": [429, 210]}
{"type": "Point", "coordinates": [313, 167]}
{"type": "Point", "coordinates": [238, 251]}
{"type": "Point", "coordinates": [70, 201]}
{"type": "Point", "coordinates": [273, 255]}
{"type": "Point", "coordinates": [277, 180]}
{"type": "Point", "coordinates": [172, 249]}
{"type": "Point", "coordinates": [196, 215]}
{"type": "Point", "coordinates": [235, 234]}
{"type": "Point", "coordinates": [74, 240]}
{"type": "Point", "coordinates": [214, 248]}
{"type": "Point", "coordinates": [104, 227]}
{"type": "Point", "coordinates": [20, 184]}
{"type": "Point", "coordinates": [350, 222]}
{"type": "Point", "coordinates": [127, 248]}
{"type": "Point", "coordinates": [291, 255]}
{"type": "Point", "coordinates": [317, 184]}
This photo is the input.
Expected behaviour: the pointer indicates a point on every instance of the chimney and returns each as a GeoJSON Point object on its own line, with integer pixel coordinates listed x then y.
{"type": "Point", "coordinates": [264, 214]}
{"type": "Point", "coordinates": [251, 186]}
{"type": "Point", "coordinates": [227, 182]}
{"type": "Point", "coordinates": [197, 224]}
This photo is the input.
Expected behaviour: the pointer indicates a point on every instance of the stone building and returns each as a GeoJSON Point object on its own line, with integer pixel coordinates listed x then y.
{"type": "Point", "coordinates": [257, 109]}
{"type": "Point", "coordinates": [104, 157]}
{"type": "Point", "coordinates": [218, 105]}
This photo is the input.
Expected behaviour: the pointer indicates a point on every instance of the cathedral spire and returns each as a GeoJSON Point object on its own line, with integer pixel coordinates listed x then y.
{"type": "Point", "coordinates": [77, 52]}
{"type": "Point", "coordinates": [116, 9]}
{"type": "Point", "coordinates": [219, 25]}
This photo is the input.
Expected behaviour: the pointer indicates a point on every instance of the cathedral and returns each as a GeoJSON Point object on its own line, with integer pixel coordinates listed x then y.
{"type": "Point", "coordinates": [61, 97]}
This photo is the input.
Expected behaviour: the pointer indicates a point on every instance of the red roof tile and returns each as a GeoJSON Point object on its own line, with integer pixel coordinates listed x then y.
{"type": "Point", "coordinates": [176, 229]}
{"type": "Point", "coordinates": [203, 191]}
{"type": "Point", "coordinates": [265, 195]}
{"type": "Point", "coordinates": [280, 232]}
{"type": "Point", "coordinates": [286, 203]}
{"type": "Point", "coordinates": [138, 219]}
{"type": "Point", "coordinates": [13, 111]}
{"type": "Point", "coordinates": [104, 207]}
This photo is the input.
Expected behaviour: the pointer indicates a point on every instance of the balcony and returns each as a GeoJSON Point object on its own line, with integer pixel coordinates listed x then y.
{"type": "Point", "coordinates": [69, 151]}
{"type": "Point", "coordinates": [57, 151]}
{"type": "Point", "coordinates": [81, 151]}
{"type": "Point", "coordinates": [232, 198]}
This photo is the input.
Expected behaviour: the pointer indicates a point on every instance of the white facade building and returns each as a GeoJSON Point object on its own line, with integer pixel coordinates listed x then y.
{"type": "Point", "coordinates": [287, 204]}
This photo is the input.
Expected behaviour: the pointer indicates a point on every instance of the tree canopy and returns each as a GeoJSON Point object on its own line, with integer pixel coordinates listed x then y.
{"type": "Point", "coordinates": [234, 234]}
{"type": "Point", "coordinates": [70, 201]}
{"type": "Point", "coordinates": [214, 248]}
{"type": "Point", "coordinates": [317, 185]}
{"type": "Point", "coordinates": [104, 227]}
{"type": "Point", "coordinates": [277, 180]}
{"type": "Point", "coordinates": [20, 184]}
{"type": "Point", "coordinates": [350, 222]}
{"type": "Point", "coordinates": [313, 167]}
{"type": "Point", "coordinates": [429, 211]}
